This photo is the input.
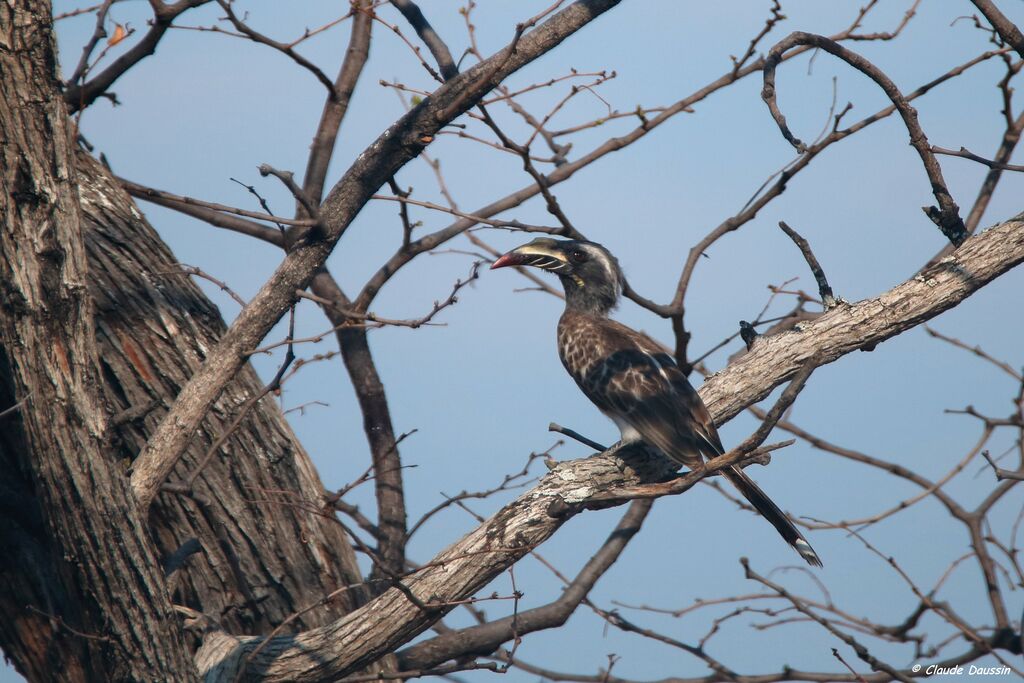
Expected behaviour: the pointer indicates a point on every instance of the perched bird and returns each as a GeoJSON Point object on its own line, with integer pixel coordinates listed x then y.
{"type": "Point", "coordinates": [629, 376]}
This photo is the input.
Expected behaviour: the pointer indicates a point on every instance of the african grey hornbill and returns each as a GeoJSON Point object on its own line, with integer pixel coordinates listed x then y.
{"type": "Point", "coordinates": [629, 376]}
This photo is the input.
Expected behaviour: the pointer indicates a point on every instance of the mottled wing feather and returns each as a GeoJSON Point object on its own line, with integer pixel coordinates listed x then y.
{"type": "Point", "coordinates": [628, 375]}
{"type": "Point", "coordinates": [699, 418]}
{"type": "Point", "coordinates": [632, 378]}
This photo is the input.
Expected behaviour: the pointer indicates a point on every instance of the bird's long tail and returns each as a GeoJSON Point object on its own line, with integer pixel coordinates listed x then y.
{"type": "Point", "coordinates": [770, 511]}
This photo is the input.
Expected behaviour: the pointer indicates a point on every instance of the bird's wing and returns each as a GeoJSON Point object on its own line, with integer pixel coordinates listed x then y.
{"type": "Point", "coordinates": [633, 378]}
{"type": "Point", "coordinates": [642, 385]}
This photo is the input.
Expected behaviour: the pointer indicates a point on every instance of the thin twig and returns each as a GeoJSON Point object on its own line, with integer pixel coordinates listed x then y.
{"type": "Point", "coordinates": [827, 299]}
{"type": "Point", "coordinates": [573, 434]}
{"type": "Point", "coordinates": [965, 153]}
{"type": "Point", "coordinates": [1002, 474]}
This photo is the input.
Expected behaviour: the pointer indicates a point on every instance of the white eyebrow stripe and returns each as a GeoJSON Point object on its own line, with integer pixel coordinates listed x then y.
{"type": "Point", "coordinates": [606, 263]}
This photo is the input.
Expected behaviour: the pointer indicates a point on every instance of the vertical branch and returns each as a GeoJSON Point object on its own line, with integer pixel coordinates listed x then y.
{"type": "Point", "coordinates": [352, 341]}
{"type": "Point", "coordinates": [380, 432]}
{"type": "Point", "coordinates": [442, 55]}
{"type": "Point", "coordinates": [828, 300]}
{"type": "Point", "coordinates": [322, 148]}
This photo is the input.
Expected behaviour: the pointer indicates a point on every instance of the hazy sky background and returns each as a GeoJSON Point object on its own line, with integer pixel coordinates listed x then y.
{"type": "Point", "coordinates": [482, 389]}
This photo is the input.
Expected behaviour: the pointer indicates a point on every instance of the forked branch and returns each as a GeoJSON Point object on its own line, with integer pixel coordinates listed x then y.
{"type": "Point", "coordinates": [947, 215]}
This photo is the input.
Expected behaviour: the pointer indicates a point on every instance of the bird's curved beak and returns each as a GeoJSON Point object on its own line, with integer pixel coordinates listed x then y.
{"type": "Point", "coordinates": [536, 253]}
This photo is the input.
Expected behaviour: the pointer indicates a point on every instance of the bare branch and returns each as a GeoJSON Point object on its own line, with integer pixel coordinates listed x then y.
{"type": "Point", "coordinates": [78, 96]}
{"type": "Point", "coordinates": [488, 636]}
{"type": "Point", "coordinates": [965, 153]}
{"type": "Point", "coordinates": [212, 216]}
{"type": "Point", "coordinates": [1007, 30]}
{"type": "Point", "coordinates": [886, 35]}
{"type": "Point", "coordinates": [429, 36]}
{"type": "Point", "coordinates": [377, 425]}
{"type": "Point", "coordinates": [198, 272]}
{"type": "Point", "coordinates": [862, 652]}
{"type": "Point", "coordinates": [977, 351]}
{"type": "Point", "coordinates": [512, 225]}
{"type": "Point", "coordinates": [773, 416]}
{"type": "Point", "coordinates": [573, 434]}
{"type": "Point", "coordinates": [322, 148]}
{"type": "Point", "coordinates": [1002, 474]}
{"type": "Point", "coordinates": [283, 48]}
{"type": "Point", "coordinates": [169, 199]}
{"type": "Point", "coordinates": [1008, 143]}
{"type": "Point", "coordinates": [827, 299]}
{"type": "Point", "coordinates": [310, 207]}
{"type": "Point", "coordinates": [947, 216]}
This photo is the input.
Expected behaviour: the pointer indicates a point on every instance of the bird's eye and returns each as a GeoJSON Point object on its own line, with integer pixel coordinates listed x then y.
{"type": "Point", "coordinates": [579, 256]}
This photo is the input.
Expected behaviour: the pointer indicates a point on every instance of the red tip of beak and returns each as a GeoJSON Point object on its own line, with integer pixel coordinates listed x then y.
{"type": "Point", "coordinates": [509, 259]}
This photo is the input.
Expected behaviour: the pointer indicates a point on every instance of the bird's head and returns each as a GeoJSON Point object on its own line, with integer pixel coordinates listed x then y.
{"type": "Point", "coordinates": [589, 273]}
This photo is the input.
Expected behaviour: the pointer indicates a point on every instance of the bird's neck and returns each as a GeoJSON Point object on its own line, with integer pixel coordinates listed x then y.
{"type": "Point", "coordinates": [591, 298]}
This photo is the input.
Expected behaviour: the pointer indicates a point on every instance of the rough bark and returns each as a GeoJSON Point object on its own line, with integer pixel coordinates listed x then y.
{"type": "Point", "coordinates": [267, 548]}
{"type": "Point", "coordinates": [392, 619]}
{"type": "Point", "coordinates": [101, 610]}
{"type": "Point", "coordinates": [326, 653]}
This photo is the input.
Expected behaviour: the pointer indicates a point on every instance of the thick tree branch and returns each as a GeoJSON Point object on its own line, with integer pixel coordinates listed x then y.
{"type": "Point", "coordinates": [400, 143]}
{"type": "Point", "coordinates": [978, 261]}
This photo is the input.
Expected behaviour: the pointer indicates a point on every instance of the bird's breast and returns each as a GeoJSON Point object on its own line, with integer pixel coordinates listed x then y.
{"type": "Point", "coordinates": [579, 346]}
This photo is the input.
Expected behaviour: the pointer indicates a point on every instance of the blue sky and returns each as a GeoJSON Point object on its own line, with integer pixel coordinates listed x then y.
{"type": "Point", "coordinates": [482, 389]}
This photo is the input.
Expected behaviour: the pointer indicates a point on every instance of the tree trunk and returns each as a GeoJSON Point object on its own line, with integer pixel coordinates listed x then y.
{"type": "Point", "coordinates": [268, 547]}
{"type": "Point", "coordinates": [265, 546]}
{"type": "Point", "coordinates": [99, 609]}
